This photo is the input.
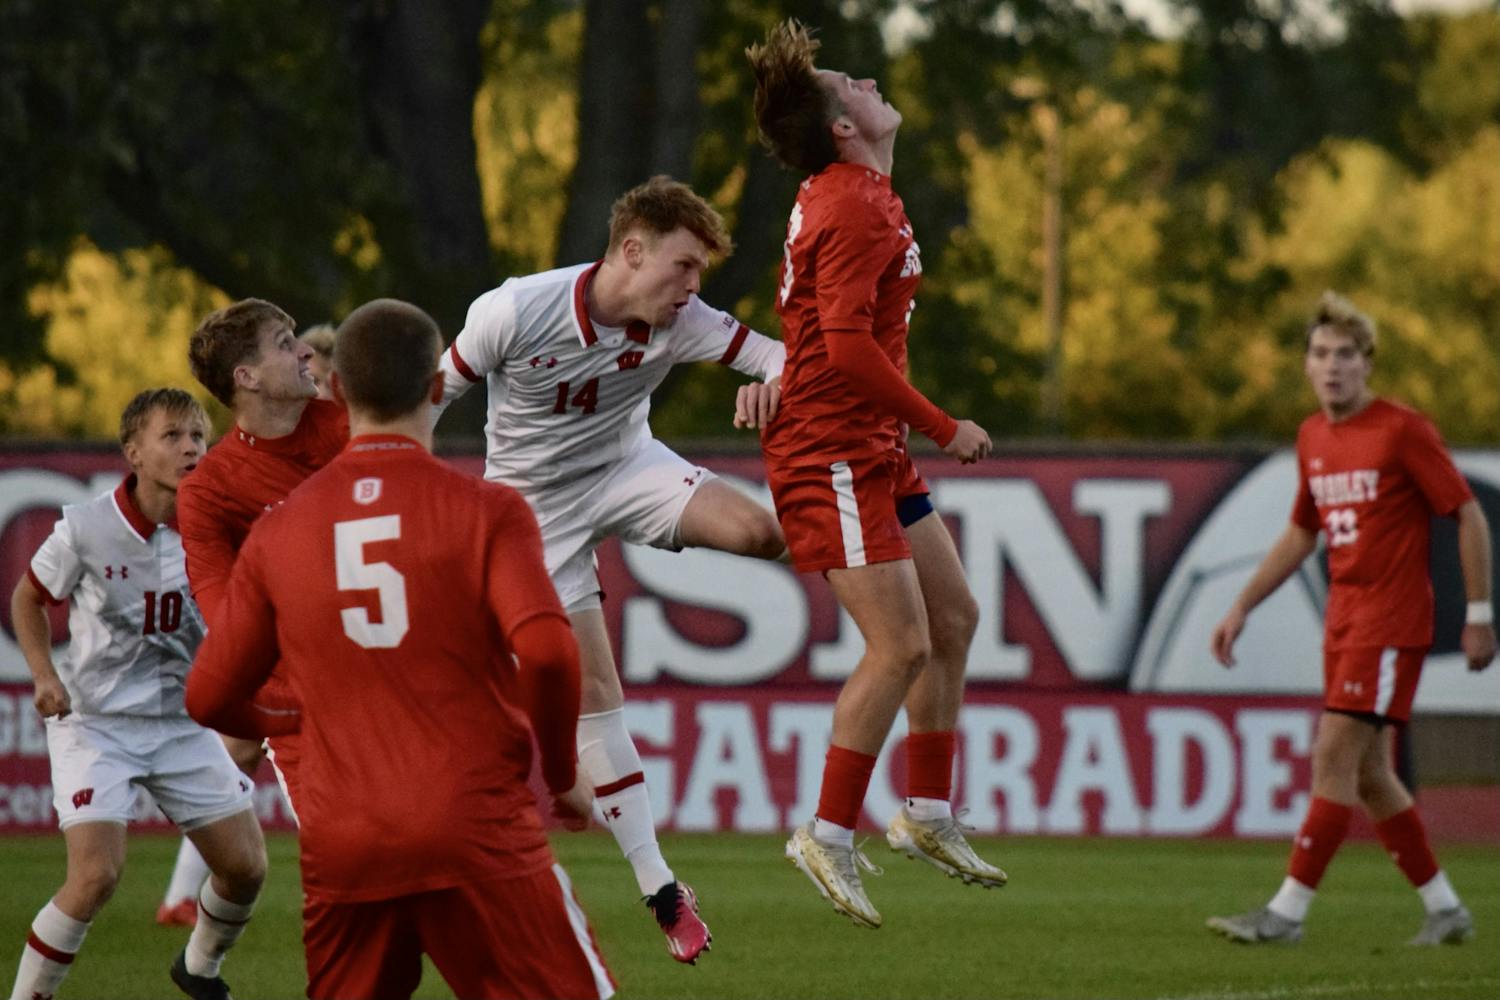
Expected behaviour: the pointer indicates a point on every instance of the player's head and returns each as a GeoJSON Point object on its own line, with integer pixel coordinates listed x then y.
{"type": "Point", "coordinates": [385, 361]}
{"type": "Point", "coordinates": [249, 347]}
{"type": "Point", "coordinates": [163, 432]}
{"type": "Point", "coordinates": [320, 339]}
{"type": "Point", "coordinates": [1340, 353]}
{"type": "Point", "coordinates": [810, 117]}
{"type": "Point", "coordinates": [665, 236]}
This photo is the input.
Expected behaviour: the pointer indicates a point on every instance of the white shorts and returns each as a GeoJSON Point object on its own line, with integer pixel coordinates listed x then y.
{"type": "Point", "coordinates": [639, 500]}
{"type": "Point", "coordinates": [99, 761]}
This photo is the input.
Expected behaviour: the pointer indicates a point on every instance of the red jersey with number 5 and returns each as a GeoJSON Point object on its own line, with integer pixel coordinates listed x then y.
{"type": "Point", "coordinates": [389, 585]}
{"type": "Point", "coordinates": [1372, 484]}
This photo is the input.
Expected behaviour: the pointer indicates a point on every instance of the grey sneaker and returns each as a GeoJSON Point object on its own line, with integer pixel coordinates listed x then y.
{"type": "Point", "coordinates": [941, 843]}
{"type": "Point", "coordinates": [1453, 926]}
{"type": "Point", "coordinates": [1262, 926]}
{"type": "Point", "coordinates": [834, 869]}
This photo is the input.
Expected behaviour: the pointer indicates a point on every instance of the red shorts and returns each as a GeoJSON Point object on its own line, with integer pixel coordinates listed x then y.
{"type": "Point", "coordinates": [1372, 680]}
{"type": "Point", "coordinates": [839, 515]}
{"type": "Point", "coordinates": [516, 937]}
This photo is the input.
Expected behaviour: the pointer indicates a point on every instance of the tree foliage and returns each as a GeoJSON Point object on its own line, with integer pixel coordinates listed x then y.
{"type": "Point", "coordinates": [165, 155]}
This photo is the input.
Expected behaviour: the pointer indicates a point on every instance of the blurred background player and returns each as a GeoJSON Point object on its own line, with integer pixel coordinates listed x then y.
{"type": "Point", "coordinates": [320, 339]}
{"type": "Point", "coordinates": [572, 357]}
{"type": "Point", "coordinates": [114, 707]}
{"type": "Point", "coordinates": [850, 501]}
{"type": "Point", "coordinates": [1371, 474]}
{"type": "Point", "coordinates": [396, 591]}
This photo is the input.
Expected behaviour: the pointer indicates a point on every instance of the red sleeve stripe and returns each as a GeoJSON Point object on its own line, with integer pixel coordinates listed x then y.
{"type": "Point", "coordinates": [31, 575]}
{"type": "Point", "coordinates": [461, 364]}
{"type": "Point", "coordinates": [44, 949]}
{"type": "Point", "coordinates": [735, 345]}
{"type": "Point", "coordinates": [638, 778]}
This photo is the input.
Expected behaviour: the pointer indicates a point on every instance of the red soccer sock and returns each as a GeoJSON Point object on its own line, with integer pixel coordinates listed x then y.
{"type": "Point", "coordinates": [929, 765]}
{"type": "Point", "coordinates": [1322, 832]}
{"type": "Point", "coordinates": [846, 775]}
{"type": "Point", "coordinates": [1405, 838]}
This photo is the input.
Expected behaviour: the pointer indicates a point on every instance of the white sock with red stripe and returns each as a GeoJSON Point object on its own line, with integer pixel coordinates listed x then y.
{"type": "Point", "coordinates": [50, 947]}
{"type": "Point", "coordinates": [188, 875]}
{"type": "Point", "coordinates": [220, 924]}
{"type": "Point", "coordinates": [608, 758]}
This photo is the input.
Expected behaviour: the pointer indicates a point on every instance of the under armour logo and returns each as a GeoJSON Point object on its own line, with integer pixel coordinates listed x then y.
{"type": "Point", "coordinates": [244, 785]}
{"type": "Point", "coordinates": [1315, 463]}
{"type": "Point", "coordinates": [109, 572]}
{"type": "Point", "coordinates": [38, 995]}
{"type": "Point", "coordinates": [1353, 687]}
{"type": "Point", "coordinates": [549, 363]}
{"type": "Point", "coordinates": [613, 812]}
{"type": "Point", "coordinates": [630, 359]}
{"type": "Point", "coordinates": [1305, 843]}
{"type": "Point", "coordinates": [83, 797]}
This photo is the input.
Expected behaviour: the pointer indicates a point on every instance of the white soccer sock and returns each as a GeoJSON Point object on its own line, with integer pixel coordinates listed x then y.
{"type": "Point", "coordinates": [220, 924]}
{"type": "Point", "coordinates": [608, 758]}
{"type": "Point", "coordinates": [54, 940]}
{"type": "Point", "coordinates": [832, 833]}
{"type": "Point", "coordinates": [1437, 894]}
{"type": "Point", "coordinates": [1292, 900]}
{"type": "Point", "coordinates": [187, 876]}
{"type": "Point", "coordinates": [927, 810]}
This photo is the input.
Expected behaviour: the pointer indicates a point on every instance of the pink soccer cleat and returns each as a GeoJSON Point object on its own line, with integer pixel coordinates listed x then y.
{"type": "Point", "coordinates": [675, 907]}
{"type": "Point", "coordinates": [183, 913]}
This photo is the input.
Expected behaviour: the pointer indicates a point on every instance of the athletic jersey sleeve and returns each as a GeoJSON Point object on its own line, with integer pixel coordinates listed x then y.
{"type": "Point", "coordinates": [1431, 466]}
{"type": "Point", "coordinates": [57, 566]}
{"type": "Point", "coordinates": [869, 372]}
{"type": "Point", "coordinates": [708, 334]}
{"type": "Point", "coordinates": [209, 546]}
{"type": "Point", "coordinates": [1304, 510]}
{"type": "Point", "coordinates": [237, 657]}
{"type": "Point", "coordinates": [524, 601]}
{"type": "Point", "coordinates": [481, 345]}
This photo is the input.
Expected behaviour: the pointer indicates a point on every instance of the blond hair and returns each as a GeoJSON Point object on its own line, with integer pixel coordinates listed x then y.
{"type": "Point", "coordinates": [662, 205]}
{"type": "Point", "coordinates": [174, 402]}
{"type": "Point", "coordinates": [1339, 315]}
{"type": "Point", "coordinates": [320, 339]}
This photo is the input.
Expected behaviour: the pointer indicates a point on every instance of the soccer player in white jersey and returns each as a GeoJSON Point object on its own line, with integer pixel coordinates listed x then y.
{"type": "Point", "coordinates": [114, 706]}
{"type": "Point", "coordinates": [571, 357]}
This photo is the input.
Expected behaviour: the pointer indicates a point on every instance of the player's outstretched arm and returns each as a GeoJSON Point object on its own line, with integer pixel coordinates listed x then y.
{"type": "Point", "coordinates": [28, 616]}
{"type": "Point", "coordinates": [1295, 544]}
{"type": "Point", "coordinates": [236, 658]}
{"type": "Point", "coordinates": [1478, 640]}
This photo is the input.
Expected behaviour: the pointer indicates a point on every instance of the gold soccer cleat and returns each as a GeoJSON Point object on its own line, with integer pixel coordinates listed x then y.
{"type": "Point", "coordinates": [941, 843]}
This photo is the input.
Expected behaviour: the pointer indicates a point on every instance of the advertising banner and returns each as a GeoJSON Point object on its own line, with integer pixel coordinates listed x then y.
{"type": "Point", "coordinates": [1094, 705]}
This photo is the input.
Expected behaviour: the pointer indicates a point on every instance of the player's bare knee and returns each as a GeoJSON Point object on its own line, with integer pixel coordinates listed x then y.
{"type": "Point", "coordinates": [906, 657]}
{"type": "Point", "coordinates": [244, 872]}
{"type": "Point", "coordinates": [757, 534]}
{"type": "Point", "coordinates": [93, 882]}
{"type": "Point", "coordinates": [953, 625]}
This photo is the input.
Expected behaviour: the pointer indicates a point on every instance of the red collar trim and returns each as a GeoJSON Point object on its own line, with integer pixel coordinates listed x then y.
{"type": "Point", "coordinates": [130, 513]}
{"type": "Point", "coordinates": [580, 305]}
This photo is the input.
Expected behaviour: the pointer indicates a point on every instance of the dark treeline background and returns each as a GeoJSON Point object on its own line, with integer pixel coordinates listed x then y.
{"type": "Point", "coordinates": [1123, 233]}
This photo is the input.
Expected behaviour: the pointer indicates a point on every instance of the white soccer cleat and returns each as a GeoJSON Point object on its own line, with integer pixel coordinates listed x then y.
{"type": "Point", "coordinates": [1453, 926]}
{"type": "Point", "coordinates": [1262, 926]}
{"type": "Point", "coordinates": [834, 869]}
{"type": "Point", "coordinates": [941, 843]}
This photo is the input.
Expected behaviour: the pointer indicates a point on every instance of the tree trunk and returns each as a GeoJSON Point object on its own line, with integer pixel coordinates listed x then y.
{"type": "Point", "coordinates": [614, 123]}
{"type": "Point", "coordinates": [420, 69]}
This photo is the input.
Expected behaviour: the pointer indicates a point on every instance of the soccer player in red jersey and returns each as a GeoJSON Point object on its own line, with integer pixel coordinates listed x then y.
{"type": "Point", "coordinates": [1371, 475]}
{"type": "Point", "coordinates": [247, 356]}
{"type": "Point", "coordinates": [412, 615]}
{"type": "Point", "coordinates": [850, 501]}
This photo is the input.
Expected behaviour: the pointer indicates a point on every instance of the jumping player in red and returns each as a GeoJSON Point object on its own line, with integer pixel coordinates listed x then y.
{"type": "Point", "coordinates": [850, 501]}
{"type": "Point", "coordinates": [374, 585]}
{"type": "Point", "coordinates": [1371, 475]}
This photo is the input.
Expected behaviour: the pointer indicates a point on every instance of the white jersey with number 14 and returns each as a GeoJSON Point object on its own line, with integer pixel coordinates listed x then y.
{"type": "Point", "coordinates": [567, 396]}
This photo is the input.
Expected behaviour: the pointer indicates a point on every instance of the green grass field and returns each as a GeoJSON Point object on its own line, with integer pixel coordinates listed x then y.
{"type": "Point", "coordinates": [1081, 918]}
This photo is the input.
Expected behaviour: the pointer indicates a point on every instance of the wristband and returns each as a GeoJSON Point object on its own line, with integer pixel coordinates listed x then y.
{"type": "Point", "coordinates": [1480, 613]}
